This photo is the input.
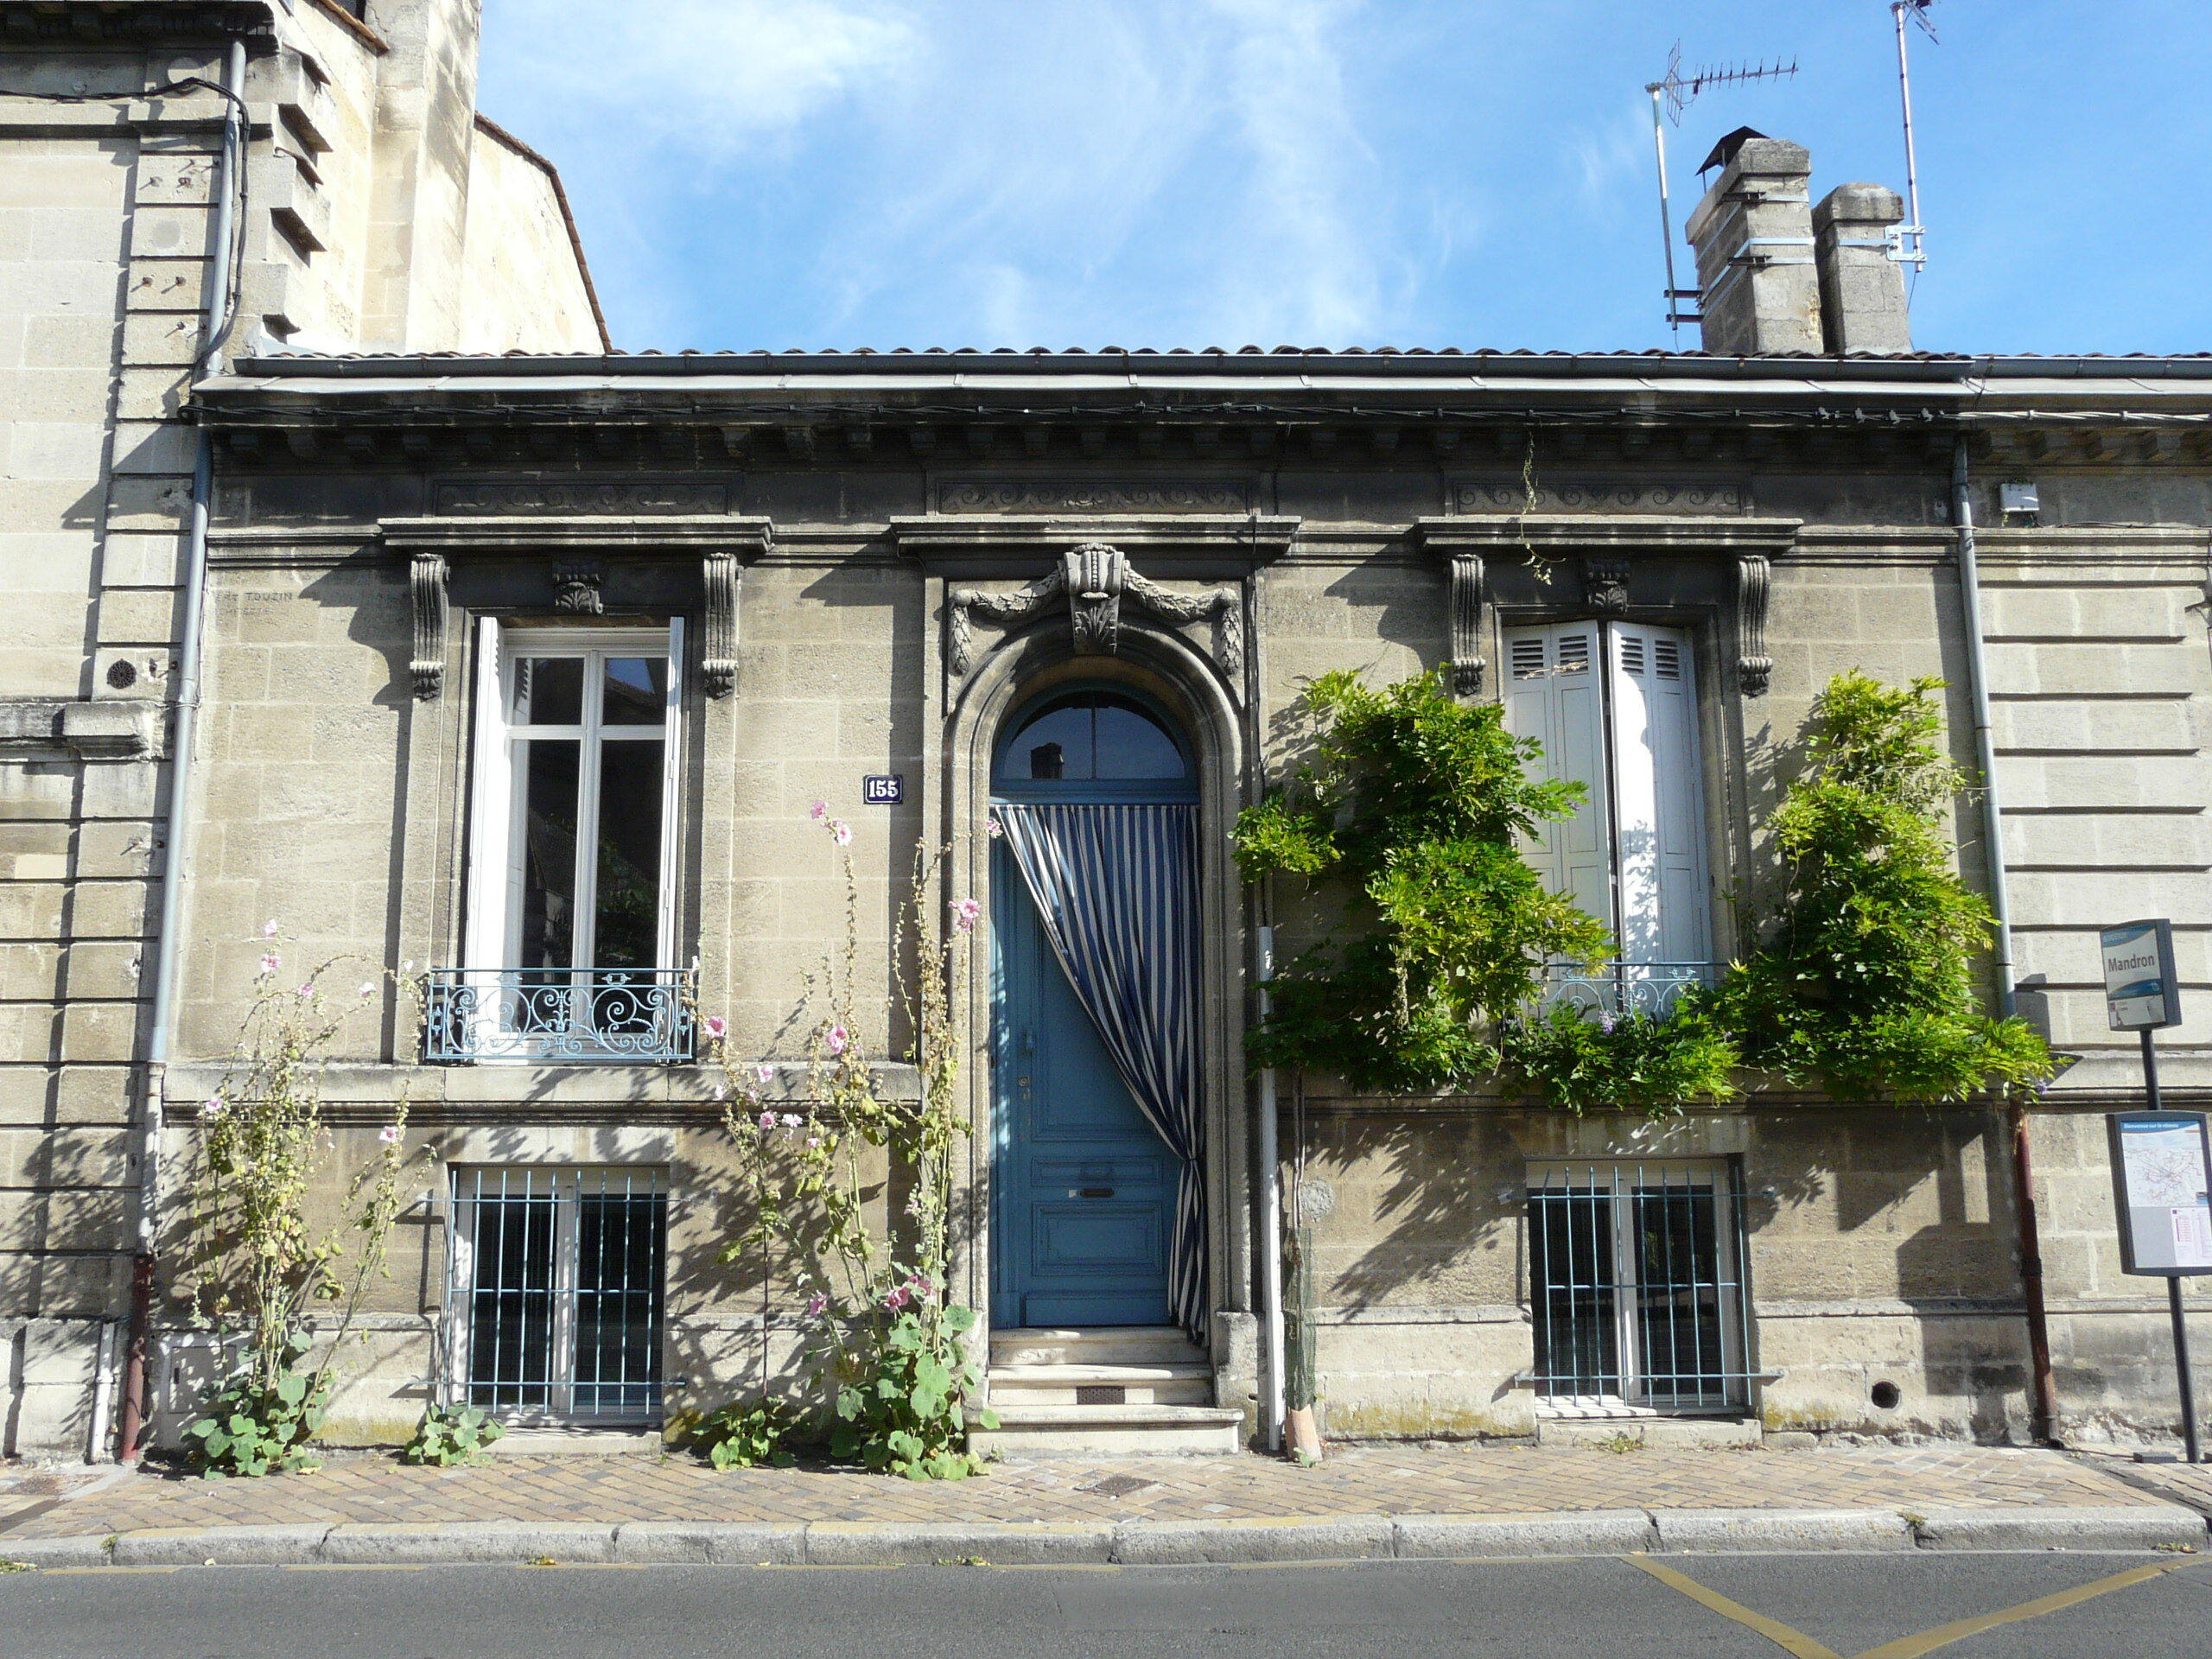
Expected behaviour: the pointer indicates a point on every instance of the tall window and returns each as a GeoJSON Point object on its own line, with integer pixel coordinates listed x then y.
{"type": "Point", "coordinates": [571, 942]}
{"type": "Point", "coordinates": [1614, 705]}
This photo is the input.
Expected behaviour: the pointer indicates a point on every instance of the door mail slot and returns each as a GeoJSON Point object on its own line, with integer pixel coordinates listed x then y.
{"type": "Point", "coordinates": [1092, 1192]}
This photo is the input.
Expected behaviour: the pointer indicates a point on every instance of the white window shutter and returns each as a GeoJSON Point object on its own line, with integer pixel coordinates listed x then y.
{"type": "Point", "coordinates": [1658, 810]}
{"type": "Point", "coordinates": [490, 790]}
{"type": "Point", "coordinates": [1551, 695]}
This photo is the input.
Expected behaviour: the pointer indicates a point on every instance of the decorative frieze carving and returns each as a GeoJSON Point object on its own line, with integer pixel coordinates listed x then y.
{"type": "Point", "coordinates": [1754, 668]}
{"type": "Point", "coordinates": [1467, 623]}
{"type": "Point", "coordinates": [495, 497]}
{"type": "Point", "coordinates": [718, 644]}
{"type": "Point", "coordinates": [426, 576]}
{"type": "Point", "coordinates": [1095, 578]}
{"type": "Point", "coordinates": [576, 584]}
{"type": "Point", "coordinates": [1600, 495]}
{"type": "Point", "coordinates": [1605, 583]}
{"type": "Point", "coordinates": [1085, 495]}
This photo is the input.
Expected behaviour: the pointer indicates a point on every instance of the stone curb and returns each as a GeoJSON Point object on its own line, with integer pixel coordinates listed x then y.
{"type": "Point", "coordinates": [1131, 1544]}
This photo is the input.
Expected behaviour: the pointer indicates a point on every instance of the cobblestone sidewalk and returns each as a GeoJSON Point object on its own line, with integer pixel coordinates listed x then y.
{"type": "Point", "coordinates": [1367, 1480]}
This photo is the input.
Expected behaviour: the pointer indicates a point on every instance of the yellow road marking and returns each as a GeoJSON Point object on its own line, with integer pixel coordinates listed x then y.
{"type": "Point", "coordinates": [1795, 1642]}
{"type": "Point", "coordinates": [1911, 1647]}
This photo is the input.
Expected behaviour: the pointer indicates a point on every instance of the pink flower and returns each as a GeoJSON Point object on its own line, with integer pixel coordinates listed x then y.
{"type": "Point", "coordinates": [814, 1143]}
{"type": "Point", "coordinates": [818, 811]}
{"type": "Point", "coordinates": [841, 832]}
{"type": "Point", "coordinates": [992, 828]}
{"type": "Point", "coordinates": [368, 989]}
{"type": "Point", "coordinates": [837, 1039]}
{"type": "Point", "coordinates": [268, 928]}
{"type": "Point", "coordinates": [899, 1298]}
{"type": "Point", "coordinates": [965, 912]}
{"type": "Point", "coordinates": [721, 1091]}
{"type": "Point", "coordinates": [816, 1305]}
{"type": "Point", "coordinates": [307, 989]}
{"type": "Point", "coordinates": [715, 1027]}
{"type": "Point", "coordinates": [768, 1120]}
{"type": "Point", "coordinates": [269, 965]}
{"type": "Point", "coordinates": [212, 1110]}
{"type": "Point", "coordinates": [791, 1120]}
{"type": "Point", "coordinates": [389, 1134]}
{"type": "Point", "coordinates": [763, 1073]}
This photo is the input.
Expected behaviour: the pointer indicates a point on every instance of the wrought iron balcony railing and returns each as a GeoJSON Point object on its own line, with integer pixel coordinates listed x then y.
{"type": "Point", "coordinates": [1614, 989]}
{"type": "Point", "coordinates": [560, 1015]}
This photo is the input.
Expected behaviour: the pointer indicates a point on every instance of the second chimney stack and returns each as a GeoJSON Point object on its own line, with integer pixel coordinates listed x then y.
{"type": "Point", "coordinates": [1753, 234]}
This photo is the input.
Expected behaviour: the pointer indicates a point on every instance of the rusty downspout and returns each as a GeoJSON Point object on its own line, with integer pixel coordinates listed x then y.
{"type": "Point", "coordinates": [2042, 1398]}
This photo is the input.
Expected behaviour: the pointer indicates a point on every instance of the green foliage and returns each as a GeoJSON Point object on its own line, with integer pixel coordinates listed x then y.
{"type": "Point", "coordinates": [902, 1414]}
{"type": "Point", "coordinates": [1636, 1063]}
{"type": "Point", "coordinates": [261, 1426]}
{"type": "Point", "coordinates": [452, 1434]}
{"type": "Point", "coordinates": [1410, 807]}
{"type": "Point", "coordinates": [1865, 982]}
{"type": "Point", "coordinates": [739, 1436]}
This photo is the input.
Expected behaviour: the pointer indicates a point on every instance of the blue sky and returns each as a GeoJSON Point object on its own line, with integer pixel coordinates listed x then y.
{"type": "Point", "coordinates": [1190, 173]}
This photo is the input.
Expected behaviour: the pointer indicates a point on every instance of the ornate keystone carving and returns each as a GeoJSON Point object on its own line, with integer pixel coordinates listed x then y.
{"type": "Point", "coordinates": [1467, 623]}
{"type": "Point", "coordinates": [576, 586]}
{"type": "Point", "coordinates": [1753, 666]}
{"type": "Point", "coordinates": [1096, 578]}
{"type": "Point", "coordinates": [426, 579]}
{"type": "Point", "coordinates": [718, 647]}
{"type": "Point", "coordinates": [1605, 582]}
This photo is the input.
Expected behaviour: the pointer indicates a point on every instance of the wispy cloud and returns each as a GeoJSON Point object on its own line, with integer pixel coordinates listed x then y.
{"type": "Point", "coordinates": [716, 76]}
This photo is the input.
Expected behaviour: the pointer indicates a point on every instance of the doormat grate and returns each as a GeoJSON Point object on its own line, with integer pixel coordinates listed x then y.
{"type": "Point", "coordinates": [1117, 1485]}
{"type": "Point", "coordinates": [1101, 1394]}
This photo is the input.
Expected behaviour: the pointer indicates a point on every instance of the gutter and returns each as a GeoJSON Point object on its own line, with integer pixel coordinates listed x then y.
{"type": "Point", "coordinates": [137, 1378]}
{"type": "Point", "coordinates": [2042, 1404]}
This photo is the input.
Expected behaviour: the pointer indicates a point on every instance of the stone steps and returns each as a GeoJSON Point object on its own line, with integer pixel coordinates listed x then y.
{"type": "Point", "coordinates": [1108, 1431]}
{"type": "Point", "coordinates": [1137, 1345]}
{"type": "Point", "coordinates": [1113, 1391]}
{"type": "Point", "coordinates": [1102, 1385]}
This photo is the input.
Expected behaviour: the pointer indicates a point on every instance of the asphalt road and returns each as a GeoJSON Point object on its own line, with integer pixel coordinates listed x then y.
{"type": "Point", "coordinates": [1888, 1606]}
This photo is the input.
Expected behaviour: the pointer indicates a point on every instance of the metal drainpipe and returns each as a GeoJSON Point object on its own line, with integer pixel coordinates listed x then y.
{"type": "Point", "coordinates": [2044, 1404]}
{"type": "Point", "coordinates": [137, 1380]}
{"type": "Point", "coordinates": [1270, 1217]}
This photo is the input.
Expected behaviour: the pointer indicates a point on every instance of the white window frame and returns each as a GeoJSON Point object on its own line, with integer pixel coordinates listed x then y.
{"type": "Point", "coordinates": [491, 934]}
{"type": "Point", "coordinates": [1631, 739]}
{"type": "Point", "coordinates": [1622, 1176]}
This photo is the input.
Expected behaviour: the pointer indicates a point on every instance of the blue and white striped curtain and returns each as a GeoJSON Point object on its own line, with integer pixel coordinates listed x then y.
{"type": "Point", "coordinates": [1117, 887]}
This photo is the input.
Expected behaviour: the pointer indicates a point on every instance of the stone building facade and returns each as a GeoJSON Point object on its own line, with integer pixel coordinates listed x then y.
{"type": "Point", "coordinates": [527, 672]}
{"type": "Point", "coordinates": [359, 203]}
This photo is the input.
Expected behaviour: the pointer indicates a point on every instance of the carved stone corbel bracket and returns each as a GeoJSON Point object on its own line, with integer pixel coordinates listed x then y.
{"type": "Point", "coordinates": [1604, 584]}
{"type": "Point", "coordinates": [1754, 668]}
{"type": "Point", "coordinates": [723, 575]}
{"type": "Point", "coordinates": [576, 584]}
{"type": "Point", "coordinates": [426, 579]}
{"type": "Point", "coordinates": [1468, 663]}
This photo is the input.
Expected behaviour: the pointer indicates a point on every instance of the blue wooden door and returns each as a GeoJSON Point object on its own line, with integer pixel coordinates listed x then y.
{"type": "Point", "coordinates": [1085, 1187]}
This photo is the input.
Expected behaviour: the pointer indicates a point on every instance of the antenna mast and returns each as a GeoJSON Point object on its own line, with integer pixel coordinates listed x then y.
{"type": "Point", "coordinates": [1676, 93]}
{"type": "Point", "coordinates": [1908, 241]}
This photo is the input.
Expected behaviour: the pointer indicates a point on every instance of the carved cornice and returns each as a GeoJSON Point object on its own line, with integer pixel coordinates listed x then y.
{"type": "Point", "coordinates": [1095, 578]}
{"type": "Point", "coordinates": [1623, 532]}
{"type": "Point", "coordinates": [611, 535]}
{"type": "Point", "coordinates": [1253, 538]}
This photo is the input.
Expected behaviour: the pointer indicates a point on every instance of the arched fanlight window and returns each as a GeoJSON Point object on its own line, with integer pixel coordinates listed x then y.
{"type": "Point", "coordinates": [1094, 737]}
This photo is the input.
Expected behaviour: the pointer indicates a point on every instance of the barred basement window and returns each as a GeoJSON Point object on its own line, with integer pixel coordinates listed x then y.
{"type": "Point", "coordinates": [1636, 1287]}
{"type": "Point", "coordinates": [555, 1293]}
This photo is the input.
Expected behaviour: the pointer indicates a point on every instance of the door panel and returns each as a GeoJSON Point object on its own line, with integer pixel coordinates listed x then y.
{"type": "Point", "coordinates": [1083, 1183]}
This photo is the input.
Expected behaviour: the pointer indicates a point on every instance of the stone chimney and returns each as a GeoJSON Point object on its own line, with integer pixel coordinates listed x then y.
{"type": "Point", "coordinates": [1862, 289]}
{"type": "Point", "coordinates": [1753, 234]}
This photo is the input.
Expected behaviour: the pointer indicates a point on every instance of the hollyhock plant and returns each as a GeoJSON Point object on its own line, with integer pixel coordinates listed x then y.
{"type": "Point", "coordinates": [818, 811]}
{"type": "Point", "coordinates": [768, 1120]}
{"type": "Point", "coordinates": [764, 1073]}
{"type": "Point", "coordinates": [841, 832]}
{"type": "Point", "coordinates": [965, 913]}
{"type": "Point", "coordinates": [716, 1028]}
{"type": "Point", "coordinates": [269, 965]}
{"type": "Point", "coordinates": [837, 1038]}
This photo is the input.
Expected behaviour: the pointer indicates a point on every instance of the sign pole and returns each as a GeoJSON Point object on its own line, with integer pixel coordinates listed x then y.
{"type": "Point", "coordinates": [2189, 1437]}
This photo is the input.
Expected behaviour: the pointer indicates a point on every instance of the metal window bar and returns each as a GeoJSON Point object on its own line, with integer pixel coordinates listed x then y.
{"type": "Point", "coordinates": [581, 1015]}
{"type": "Point", "coordinates": [1637, 1288]}
{"type": "Point", "coordinates": [1615, 989]}
{"type": "Point", "coordinates": [557, 1288]}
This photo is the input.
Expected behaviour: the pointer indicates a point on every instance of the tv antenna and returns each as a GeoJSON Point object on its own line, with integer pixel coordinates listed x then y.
{"type": "Point", "coordinates": [1673, 93]}
{"type": "Point", "coordinates": [1908, 241]}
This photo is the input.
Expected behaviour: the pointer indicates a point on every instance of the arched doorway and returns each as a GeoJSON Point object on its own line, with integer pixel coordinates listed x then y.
{"type": "Point", "coordinates": [1097, 1139]}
